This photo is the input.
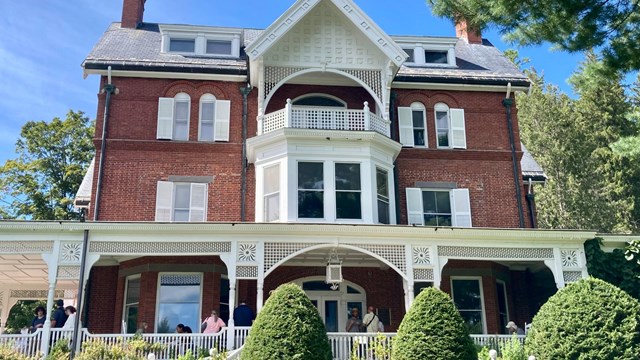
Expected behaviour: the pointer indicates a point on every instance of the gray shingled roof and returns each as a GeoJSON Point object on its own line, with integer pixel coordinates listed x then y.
{"type": "Point", "coordinates": [140, 49]}
{"type": "Point", "coordinates": [83, 196]}
{"type": "Point", "coordinates": [531, 168]}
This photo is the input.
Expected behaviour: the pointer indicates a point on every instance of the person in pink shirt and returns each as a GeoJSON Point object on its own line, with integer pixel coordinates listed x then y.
{"type": "Point", "coordinates": [213, 323]}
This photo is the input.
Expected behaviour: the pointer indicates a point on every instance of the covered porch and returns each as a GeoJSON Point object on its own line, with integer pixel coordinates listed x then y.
{"type": "Point", "coordinates": [383, 266]}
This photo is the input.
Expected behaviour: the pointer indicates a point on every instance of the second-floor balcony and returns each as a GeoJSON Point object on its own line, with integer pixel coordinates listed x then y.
{"type": "Point", "coordinates": [324, 118]}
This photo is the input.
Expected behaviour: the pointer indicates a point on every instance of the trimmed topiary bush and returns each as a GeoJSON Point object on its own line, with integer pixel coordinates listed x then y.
{"type": "Point", "coordinates": [433, 329]}
{"type": "Point", "coordinates": [288, 327]}
{"type": "Point", "coordinates": [589, 319]}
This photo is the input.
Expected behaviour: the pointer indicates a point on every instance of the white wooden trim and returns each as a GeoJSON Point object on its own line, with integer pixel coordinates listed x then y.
{"type": "Point", "coordinates": [158, 282]}
{"type": "Point", "coordinates": [405, 126]}
{"type": "Point", "coordinates": [165, 118]}
{"type": "Point", "coordinates": [458, 136]}
{"type": "Point", "coordinates": [461, 208]}
{"type": "Point", "coordinates": [415, 208]}
{"type": "Point", "coordinates": [479, 279]}
{"type": "Point", "coordinates": [198, 202]}
{"type": "Point", "coordinates": [222, 120]}
{"type": "Point", "coordinates": [164, 201]}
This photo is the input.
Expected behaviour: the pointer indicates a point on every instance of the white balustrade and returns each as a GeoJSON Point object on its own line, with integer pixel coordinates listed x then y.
{"type": "Point", "coordinates": [325, 118]}
{"type": "Point", "coordinates": [27, 344]}
{"type": "Point", "coordinates": [342, 344]}
{"type": "Point", "coordinates": [495, 341]}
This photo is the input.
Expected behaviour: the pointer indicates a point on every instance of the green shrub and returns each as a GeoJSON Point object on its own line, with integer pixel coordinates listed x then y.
{"type": "Point", "coordinates": [513, 350]}
{"type": "Point", "coordinates": [433, 329]}
{"type": "Point", "coordinates": [132, 349]}
{"type": "Point", "coordinates": [60, 350]}
{"type": "Point", "coordinates": [590, 319]}
{"type": "Point", "coordinates": [8, 352]}
{"type": "Point", "coordinates": [288, 327]}
{"type": "Point", "coordinates": [483, 352]}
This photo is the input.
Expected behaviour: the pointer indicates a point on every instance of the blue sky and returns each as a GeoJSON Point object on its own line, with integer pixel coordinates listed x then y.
{"type": "Point", "coordinates": [43, 43]}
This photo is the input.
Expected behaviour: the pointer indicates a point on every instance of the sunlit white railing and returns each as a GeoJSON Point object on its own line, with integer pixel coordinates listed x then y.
{"type": "Point", "coordinates": [495, 341]}
{"type": "Point", "coordinates": [342, 344]}
{"type": "Point", "coordinates": [325, 118]}
{"type": "Point", "coordinates": [240, 336]}
{"type": "Point", "coordinates": [27, 344]}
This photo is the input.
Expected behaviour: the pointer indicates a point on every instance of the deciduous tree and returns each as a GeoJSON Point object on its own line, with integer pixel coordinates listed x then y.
{"type": "Point", "coordinates": [52, 157]}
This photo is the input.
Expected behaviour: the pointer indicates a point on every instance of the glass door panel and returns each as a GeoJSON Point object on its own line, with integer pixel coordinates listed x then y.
{"type": "Point", "coordinates": [331, 315]}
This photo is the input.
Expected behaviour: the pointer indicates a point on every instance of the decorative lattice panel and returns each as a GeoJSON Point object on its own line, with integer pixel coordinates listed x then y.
{"type": "Point", "coordinates": [246, 272]}
{"type": "Point", "coordinates": [421, 255]}
{"type": "Point", "coordinates": [22, 247]}
{"type": "Point", "coordinates": [105, 247]}
{"type": "Point", "coordinates": [495, 252]}
{"type": "Point", "coordinates": [274, 252]}
{"type": "Point", "coordinates": [423, 274]}
{"type": "Point", "coordinates": [1, 297]}
{"type": "Point", "coordinates": [35, 294]}
{"type": "Point", "coordinates": [274, 74]}
{"type": "Point", "coordinates": [68, 272]}
{"type": "Point", "coordinates": [247, 252]}
{"type": "Point", "coordinates": [180, 279]}
{"type": "Point", "coordinates": [373, 78]}
{"type": "Point", "coordinates": [569, 258]}
{"type": "Point", "coordinates": [571, 276]}
{"type": "Point", "coordinates": [394, 254]}
{"type": "Point", "coordinates": [70, 252]}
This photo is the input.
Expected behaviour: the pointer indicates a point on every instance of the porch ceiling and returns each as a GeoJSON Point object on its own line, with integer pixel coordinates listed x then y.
{"type": "Point", "coordinates": [349, 258]}
{"type": "Point", "coordinates": [26, 271]}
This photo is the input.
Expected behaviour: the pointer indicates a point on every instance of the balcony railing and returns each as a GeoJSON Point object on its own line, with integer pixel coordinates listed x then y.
{"type": "Point", "coordinates": [325, 118]}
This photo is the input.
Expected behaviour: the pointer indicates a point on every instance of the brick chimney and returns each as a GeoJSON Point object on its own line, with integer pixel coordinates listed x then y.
{"type": "Point", "coordinates": [468, 34]}
{"type": "Point", "coordinates": [132, 12]}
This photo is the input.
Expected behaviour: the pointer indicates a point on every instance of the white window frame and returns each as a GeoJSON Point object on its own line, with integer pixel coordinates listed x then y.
{"type": "Point", "coordinates": [506, 301]}
{"type": "Point", "coordinates": [320, 95]}
{"type": "Point", "coordinates": [162, 202]}
{"type": "Point", "coordinates": [159, 284]}
{"type": "Point", "coordinates": [266, 196]}
{"type": "Point", "coordinates": [459, 200]}
{"type": "Point", "coordinates": [456, 131]}
{"type": "Point", "coordinates": [207, 99]}
{"type": "Point", "coordinates": [126, 305]}
{"type": "Point", "coordinates": [479, 279]}
{"type": "Point", "coordinates": [201, 34]}
{"type": "Point", "coordinates": [418, 106]}
{"type": "Point", "coordinates": [336, 191]}
{"type": "Point", "coordinates": [380, 197]}
{"type": "Point", "coordinates": [181, 98]}
{"type": "Point", "coordinates": [421, 44]}
{"type": "Point", "coordinates": [324, 189]}
{"type": "Point", "coordinates": [407, 127]}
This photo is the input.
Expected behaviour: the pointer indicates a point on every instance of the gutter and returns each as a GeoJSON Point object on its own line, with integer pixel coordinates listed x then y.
{"type": "Point", "coordinates": [394, 136]}
{"type": "Point", "coordinates": [243, 177]}
{"type": "Point", "coordinates": [531, 201]}
{"type": "Point", "coordinates": [108, 89]}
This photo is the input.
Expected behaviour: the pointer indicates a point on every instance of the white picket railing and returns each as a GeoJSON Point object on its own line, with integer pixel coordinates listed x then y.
{"type": "Point", "coordinates": [325, 118]}
{"type": "Point", "coordinates": [344, 343]}
{"type": "Point", "coordinates": [27, 344]}
{"type": "Point", "coordinates": [495, 341]}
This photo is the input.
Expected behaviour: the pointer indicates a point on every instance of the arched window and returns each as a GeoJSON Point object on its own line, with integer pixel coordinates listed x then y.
{"type": "Point", "coordinates": [319, 100]}
{"type": "Point", "coordinates": [207, 117]}
{"type": "Point", "coordinates": [182, 109]}
{"type": "Point", "coordinates": [412, 123]}
{"type": "Point", "coordinates": [443, 125]}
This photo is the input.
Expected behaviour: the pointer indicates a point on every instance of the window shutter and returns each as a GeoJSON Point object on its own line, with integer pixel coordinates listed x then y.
{"type": "Point", "coordinates": [458, 134]}
{"type": "Point", "coordinates": [198, 204]}
{"type": "Point", "coordinates": [165, 118]}
{"type": "Point", "coordinates": [164, 200]}
{"type": "Point", "coordinates": [415, 210]}
{"type": "Point", "coordinates": [223, 114]}
{"type": "Point", "coordinates": [461, 208]}
{"type": "Point", "coordinates": [405, 122]}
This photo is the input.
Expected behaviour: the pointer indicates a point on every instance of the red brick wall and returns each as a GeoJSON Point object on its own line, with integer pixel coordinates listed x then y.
{"type": "Point", "coordinates": [132, 13]}
{"type": "Point", "coordinates": [353, 96]}
{"type": "Point", "coordinates": [101, 299]}
{"type": "Point", "coordinates": [383, 287]}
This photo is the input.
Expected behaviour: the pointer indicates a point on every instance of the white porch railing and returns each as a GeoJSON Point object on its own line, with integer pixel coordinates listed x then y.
{"type": "Point", "coordinates": [342, 344]}
{"type": "Point", "coordinates": [325, 118]}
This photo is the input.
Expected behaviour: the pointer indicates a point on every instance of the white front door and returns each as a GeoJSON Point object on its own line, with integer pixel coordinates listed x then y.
{"type": "Point", "coordinates": [334, 306]}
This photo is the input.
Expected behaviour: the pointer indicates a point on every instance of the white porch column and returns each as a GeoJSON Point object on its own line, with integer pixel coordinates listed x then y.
{"type": "Point", "coordinates": [555, 266]}
{"type": "Point", "coordinates": [438, 265]}
{"type": "Point", "coordinates": [6, 307]}
{"type": "Point", "coordinates": [232, 305]}
{"type": "Point", "coordinates": [52, 268]}
{"type": "Point", "coordinates": [260, 280]}
{"type": "Point", "coordinates": [409, 290]}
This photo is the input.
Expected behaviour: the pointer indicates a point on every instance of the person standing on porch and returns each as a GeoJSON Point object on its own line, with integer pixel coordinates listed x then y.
{"type": "Point", "coordinates": [213, 323]}
{"type": "Point", "coordinates": [39, 319]}
{"type": "Point", "coordinates": [354, 324]}
{"type": "Point", "coordinates": [59, 316]}
{"type": "Point", "coordinates": [70, 311]}
{"type": "Point", "coordinates": [243, 315]}
{"type": "Point", "coordinates": [512, 328]}
{"type": "Point", "coordinates": [370, 320]}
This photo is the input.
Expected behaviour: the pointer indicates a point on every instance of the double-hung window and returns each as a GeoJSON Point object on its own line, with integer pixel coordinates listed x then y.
{"type": "Point", "coordinates": [412, 123]}
{"type": "Point", "coordinates": [271, 189]}
{"type": "Point", "coordinates": [181, 201]}
{"type": "Point", "coordinates": [467, 296]}
{"type": "Point", "coordinates": [131, 303]}
{"type": "Point", "coordinates": [503, 308]}
{"type": "Point", "coordinates": [311, 190]}
{"type": "Point", "coordinates": [214, 119]}
{"type": "Point", "coordinates": [450, 127]}
{"type": "Point", "coordinates": [173, 117]}
{"type": "Point", "coordinates": [382, 189]}
{"type": "Point", "coordinates": [348, 191]}
{"type": "Point", "coordinates": [438, 207]}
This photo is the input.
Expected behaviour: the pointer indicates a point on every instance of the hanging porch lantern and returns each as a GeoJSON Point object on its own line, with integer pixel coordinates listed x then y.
{"type": "Point", "coordinates": [334, 270]}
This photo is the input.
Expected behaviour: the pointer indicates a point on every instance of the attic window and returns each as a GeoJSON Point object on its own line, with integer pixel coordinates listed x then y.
{"type": "Point", "coordinates": [182, 45]}
{"type": "Point", "coordinates": [219, 47]}
{"type": "Point", "coordinates": [409, 52]}
{"type": "Point", "coordinates": [435, 56]}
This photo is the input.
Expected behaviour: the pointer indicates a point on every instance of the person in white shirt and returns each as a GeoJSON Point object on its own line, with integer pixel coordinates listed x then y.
{"type": "Point", "coordinates": [71, 320]}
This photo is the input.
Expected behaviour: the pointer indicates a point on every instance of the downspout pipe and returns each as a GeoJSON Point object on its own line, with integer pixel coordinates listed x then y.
{"type": "Point", "coordinates": [76, 326]}
{"type": "Point", "coordinates": [243, 177]}
{"type": "Point", "coordinates": [508, 102]}
{"type": "Point", "coordinates": [108, 89]}
{"type": "Point", "coordinates": [531, 201]}
{"type": "Point", "coordinates": [394, 136]}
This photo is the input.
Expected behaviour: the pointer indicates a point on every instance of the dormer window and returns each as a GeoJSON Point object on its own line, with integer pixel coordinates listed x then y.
{"type": "Point", "coordinates": [425, 51]}
{"type": "Point", "coordinates": [201, 41]}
